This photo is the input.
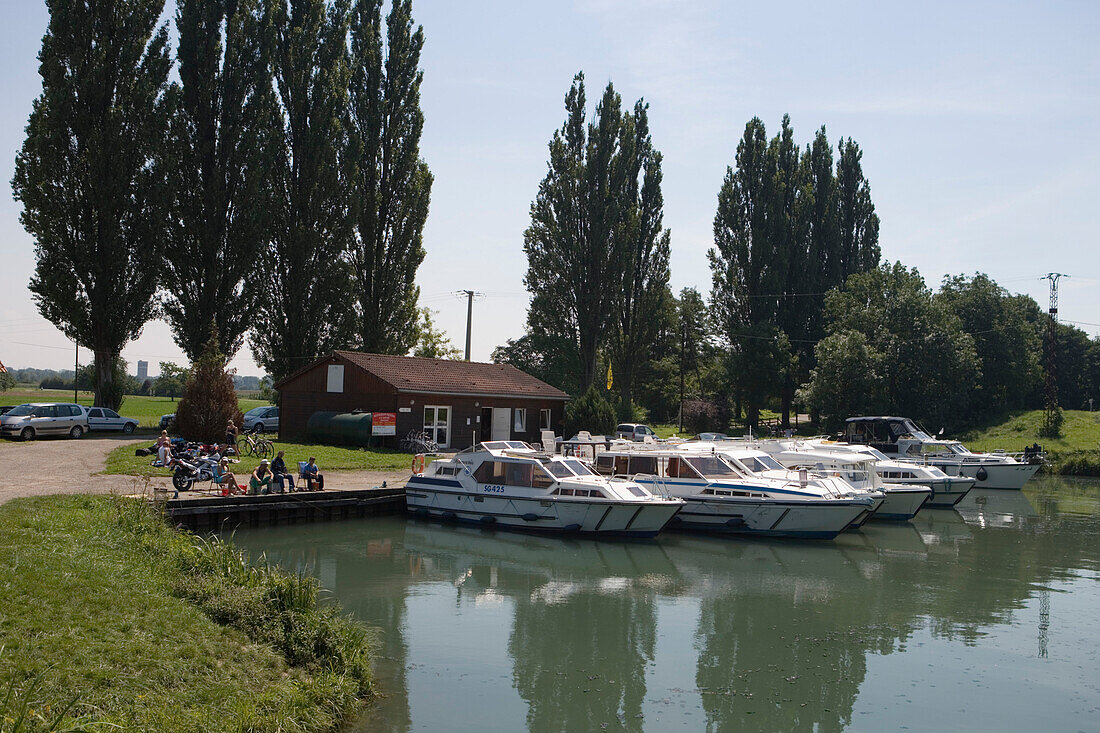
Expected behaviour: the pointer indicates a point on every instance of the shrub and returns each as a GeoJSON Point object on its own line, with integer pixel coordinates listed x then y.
{"type": "Point", "coordinates": [209, 399]}
{"type": "Point", "coordinates": [591, 412]}
{"type": "Point", "coordinates": [702, 416]}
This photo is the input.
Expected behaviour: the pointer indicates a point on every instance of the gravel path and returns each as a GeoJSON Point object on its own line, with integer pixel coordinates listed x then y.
{"type": "Point", "coordinates": [63, 466]}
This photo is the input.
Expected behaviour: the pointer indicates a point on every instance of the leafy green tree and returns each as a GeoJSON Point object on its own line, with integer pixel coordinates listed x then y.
{"type": "Point", "coordinates": [592, 412]}
{"type": "Point", "coordinates": [1005, 339]}
{"type": "Point", "coordinates": [392, 184]}
{"type": "Point", "coordinates": [575, 221]}
{"type": "Point", "coordinates": [535, 353]}
{"type": "Point", "coordinates": [749, 269]}
{"type": "Point", "coordinates": [209, 400]}
{"type": "Point", "coordinates": [313, 187]}
{"type": "Point", "coordinates": [893, 348]}
{"type": "Point", "coordinates": [432, 343]}
{"type": "Point", "coordinates": [217, 164]}
{"type": "Point", "coordinates": [85, 176]}
{"type": "Point", "coordinates": [171, 381]}
{"type": "Point", "coordinates": [7, 381]}
{"type": "Point", "coordinates": [856, 217]}
{"type": "Point", "coordinates": [638, 270]}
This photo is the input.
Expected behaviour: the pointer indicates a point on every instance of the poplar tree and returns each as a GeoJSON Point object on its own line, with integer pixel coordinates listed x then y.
{"type": "Point", "coordinates": [574, 221]}
{"type": "Point", "coordinates": [308, 255]}
{"type": "Point", "coordinates": [639, 269]}
{"type": "Point", "coordinates": [392, 183]}
{"type": "Point", "coordinates": [856, 218]}
{"type": "Point", "coordinates": [748, 269]}
{"type": "Point", "coordinates": [85, 176]}
{"type": "Point", "coordinates": [217, 164]}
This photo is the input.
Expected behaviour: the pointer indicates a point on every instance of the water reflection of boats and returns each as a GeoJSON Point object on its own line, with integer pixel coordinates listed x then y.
{"type": "Point", "coordinates": [992, 508]}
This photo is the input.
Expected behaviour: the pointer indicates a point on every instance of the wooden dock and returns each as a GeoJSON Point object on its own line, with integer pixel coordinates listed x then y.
{"type": "Point", "coordinates": [217, 513]}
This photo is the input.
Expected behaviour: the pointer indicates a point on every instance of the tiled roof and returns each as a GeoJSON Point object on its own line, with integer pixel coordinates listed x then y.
{"type": "Point", "coordinates": [415, 374]}
{"type": "Point", "coordinates": [2, 369]}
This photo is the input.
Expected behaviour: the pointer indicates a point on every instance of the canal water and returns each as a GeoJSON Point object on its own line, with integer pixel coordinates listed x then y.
{"type": "Point", "coordinates": [982, 618]}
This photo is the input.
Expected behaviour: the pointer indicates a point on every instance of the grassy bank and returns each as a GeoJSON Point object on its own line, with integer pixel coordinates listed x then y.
{"type": "Point", "coordinates": [122, 461]}
{"type": "Point", "coordinates": [138, 627]}
{"type": "Point", "coordinates": [1076, 452]}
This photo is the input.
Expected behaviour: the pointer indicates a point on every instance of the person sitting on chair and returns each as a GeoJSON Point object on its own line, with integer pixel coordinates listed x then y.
{"type": "Point", "coordinates": [260, 481]}
{"type": "Point", "coordinates": [224, 477]}
{"type": "Point", "coordinates": [280, 474]}
{"type": "Point", "coordinates": [312, 475]}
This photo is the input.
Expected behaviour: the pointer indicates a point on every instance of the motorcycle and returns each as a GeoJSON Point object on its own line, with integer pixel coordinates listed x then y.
{"type": "Point", "coordinates": [188, 472]}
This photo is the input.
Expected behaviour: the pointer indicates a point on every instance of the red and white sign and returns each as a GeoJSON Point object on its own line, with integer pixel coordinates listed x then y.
{"type": "Point", "coordinates": [383, 423]}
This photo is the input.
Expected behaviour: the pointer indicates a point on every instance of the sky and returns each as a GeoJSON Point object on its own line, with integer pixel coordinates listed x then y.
{"type": "Point", "coordinates": [978, 122]}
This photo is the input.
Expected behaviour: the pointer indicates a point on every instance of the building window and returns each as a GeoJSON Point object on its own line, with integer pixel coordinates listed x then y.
{"type": "Point", "coordinates": [335, 377]}
{"type": "Point", "coordinates": [544, 420]}
{"type": "Point", "coordinates": [437, 423]}
{"type": "Point", "coordinates": [521, 420]}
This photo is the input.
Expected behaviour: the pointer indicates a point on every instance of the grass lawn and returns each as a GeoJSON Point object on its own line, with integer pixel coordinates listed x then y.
{"type": "Point", "coordinates": [147, 410]}
{"type": "Point", "coordinates": [1080, 432]}
{"type": "Point", "coordinates": [122, 460]}
{"type": "Point", "coordinates": [111, 620]}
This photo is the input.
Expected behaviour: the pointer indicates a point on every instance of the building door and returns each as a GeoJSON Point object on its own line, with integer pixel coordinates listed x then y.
{"type": "Point", "coordinates": [437, 424]}
{"type": "Point", "coordinates": [502, 423]}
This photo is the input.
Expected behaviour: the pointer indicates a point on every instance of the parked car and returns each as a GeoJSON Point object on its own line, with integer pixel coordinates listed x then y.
{"type": "Point", "coordinates": [33, 419]}
{"type": "Point", "coordinates": [101, 418]}
{"type": "Point", "coordinates": [166, 421]}
{"type": "Point", "coordinates": [4, 408]}
{"type": "Point", "coordinates": [262, 419]}
{"type": "Point", "coordinates": [710, 437]}
{"type": "Point", "coordinates": [634, 431]}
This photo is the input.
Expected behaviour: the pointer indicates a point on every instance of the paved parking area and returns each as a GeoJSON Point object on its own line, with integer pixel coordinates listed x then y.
{"type": "Point", "coordinates": [64, 466]}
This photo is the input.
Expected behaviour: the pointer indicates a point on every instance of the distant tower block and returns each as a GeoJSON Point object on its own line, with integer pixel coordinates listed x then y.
{"type": "Point", "coordinates": [143, 371]}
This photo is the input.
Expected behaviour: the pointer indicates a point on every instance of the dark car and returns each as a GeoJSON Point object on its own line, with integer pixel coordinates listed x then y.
{"type": "Point", "coordinates": [5, 408]}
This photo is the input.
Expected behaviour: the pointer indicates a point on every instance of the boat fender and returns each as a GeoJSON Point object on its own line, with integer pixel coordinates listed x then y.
{"type": "Point", "coordinates": [449, 516]}
{"type": "Point", "coordinates": [530, 517]}
{"type": "Point", "coordinates": [572, 528]}
{"type": "Point", "coordinates": [736, 522]}
{"type": "Point", "coordinates": [418, 463]}
{"type": "Point", "coordinates": [982, 474]}
{"type": "Point", "coordinates": [488, 520]}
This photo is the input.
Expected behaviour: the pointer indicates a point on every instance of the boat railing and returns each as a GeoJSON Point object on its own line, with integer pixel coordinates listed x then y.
{"type": "Point", "coordinates": [657, 481]}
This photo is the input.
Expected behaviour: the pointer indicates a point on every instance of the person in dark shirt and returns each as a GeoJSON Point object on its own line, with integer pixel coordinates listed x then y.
{"type": "Point", "coordinates": [281, 475]}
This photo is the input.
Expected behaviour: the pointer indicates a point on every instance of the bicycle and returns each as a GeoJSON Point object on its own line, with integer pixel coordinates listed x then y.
{"type": "Point", "coordinates": [249, 445]}
{"type": "Point", "coordinates": [418, 442]}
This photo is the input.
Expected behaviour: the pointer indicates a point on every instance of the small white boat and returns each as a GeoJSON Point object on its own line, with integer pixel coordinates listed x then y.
{"type": "Point", "coordinates": [902, 438]}
{"type": "Point", "coordinates": [901, 500]}
{"type": "Point", "coordinates": [947, 491]}
{"type": "Point", "coordinates": [724, 497]}
{"type": "Point", "coordinates": [508, 484]}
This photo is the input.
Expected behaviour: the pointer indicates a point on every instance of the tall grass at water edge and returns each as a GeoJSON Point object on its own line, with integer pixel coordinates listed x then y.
{"type": "Point", "coordinates": [112, 620]}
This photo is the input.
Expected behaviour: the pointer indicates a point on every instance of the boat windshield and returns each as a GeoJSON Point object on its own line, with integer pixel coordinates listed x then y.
{"type": "Point", "coordinates": [711, 467]}
{"type": "Point", "coordinates": [579, 468]}
{"type": "Point", "coordinates": [517, 445]}
{"type": "Point", "coordinates": [958, 448]}
{"type": "Point", "coordinates": [558, 469]}
{"type": "Point", "coordinates": [762, 462]}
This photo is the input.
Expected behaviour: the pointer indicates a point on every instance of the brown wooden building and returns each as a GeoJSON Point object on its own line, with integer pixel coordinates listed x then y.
{"type": "Point", "coordinates": [457, 403]}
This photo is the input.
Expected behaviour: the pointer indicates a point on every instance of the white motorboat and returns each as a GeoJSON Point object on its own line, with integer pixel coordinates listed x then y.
{"type": "Point", "coordinates": [902, 438]}
{"type": "Point", "coordinates": [724, 497]}
{"type": "Point", "coordinates": [947, 491]}
{"type": "Point", "coordinates": [508, 484]}
{"type": "Point", "coordinates": [901, 501]}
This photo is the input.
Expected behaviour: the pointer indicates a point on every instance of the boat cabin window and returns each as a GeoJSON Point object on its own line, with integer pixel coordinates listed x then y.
{"type": "Point", "coordinates": [679, 468]}
{"type": "Point", "coordinates": [558, 469]}
{"type": "Point", "coordinates": [642, 464]}
{"type": "Point", "coordinates": [756, 464]}
{"type": "Point", "coordinates": [511, 473]}
{"type": "Point", "coordinates": [607, 465]}
{"type": "Point", "coordinates": [711, 467]}
{"type": "Point", "coordinates": [579, 467]}
{"type": "Point", "coordinates": [581, 492]}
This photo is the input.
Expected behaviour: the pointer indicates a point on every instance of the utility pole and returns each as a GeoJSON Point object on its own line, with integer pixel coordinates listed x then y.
{"type": "Point", "coordinates": [1050, 351]}
{"type": "Point", "coordinates": [470, 294]}
{"type": "Point", "coordinates": [683, 347]}
{"type": "Point", "coordinates": [76, 371]}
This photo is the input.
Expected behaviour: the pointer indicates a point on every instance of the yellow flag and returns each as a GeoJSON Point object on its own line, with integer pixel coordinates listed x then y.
{"type": "Point", "coordinates": [609, 380]}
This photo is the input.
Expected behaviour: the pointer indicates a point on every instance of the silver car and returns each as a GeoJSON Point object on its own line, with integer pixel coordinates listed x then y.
{"type": "Point", "coordinates": [33, 419]}
{"type": "Point", "coordinates": [262, 419]}
{"type": "Point", "coordinates": [102, 418]}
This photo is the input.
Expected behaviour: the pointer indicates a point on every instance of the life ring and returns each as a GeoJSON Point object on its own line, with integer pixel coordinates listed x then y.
{"type": "Point", "coordinates": [982, 474]}
{"type": "Point", "coordinates": [418, 463]}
